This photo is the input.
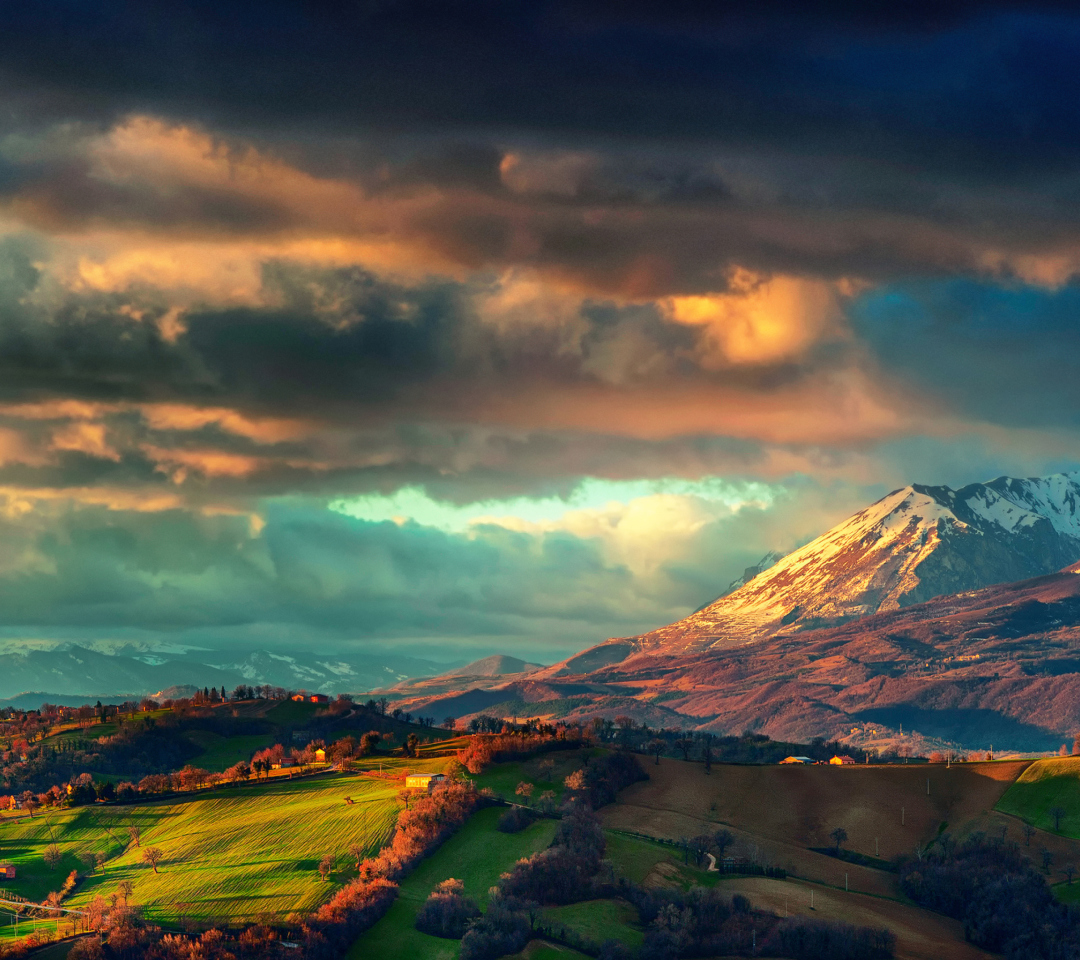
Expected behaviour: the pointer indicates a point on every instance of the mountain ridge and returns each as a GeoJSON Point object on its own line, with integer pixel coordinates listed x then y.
{"type": "Point", "coordinates": [915, 543]}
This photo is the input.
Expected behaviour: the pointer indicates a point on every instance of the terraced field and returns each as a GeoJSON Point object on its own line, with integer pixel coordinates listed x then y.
{"type": "Point", "coordinates": [230, 856]}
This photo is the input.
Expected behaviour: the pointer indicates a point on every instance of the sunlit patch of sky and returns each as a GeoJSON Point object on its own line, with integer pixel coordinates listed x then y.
{"type": "Point", "coordinates": [591, 493]}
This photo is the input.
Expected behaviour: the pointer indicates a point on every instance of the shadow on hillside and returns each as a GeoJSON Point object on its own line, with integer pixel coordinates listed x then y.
{"type": "Point", "coordinates": [975, 729]}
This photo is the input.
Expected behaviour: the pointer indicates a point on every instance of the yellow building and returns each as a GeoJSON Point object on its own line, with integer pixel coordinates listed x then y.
{"type": "Point", "coordinates": [423, 781]}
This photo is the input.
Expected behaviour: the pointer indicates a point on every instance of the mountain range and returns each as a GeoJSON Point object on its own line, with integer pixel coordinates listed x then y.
{"type": "Point", "coordinates": [932, 617]}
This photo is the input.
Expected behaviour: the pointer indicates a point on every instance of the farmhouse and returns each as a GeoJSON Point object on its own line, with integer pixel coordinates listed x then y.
{"type": "Point", "coordinates": [320, 755]}
{"type": "Point", "coordinates": [7, 871]}
{"type": "Point", "coordinates": [319, 698]}
{"type": "Point", "coordinates": [423, 781]}
{"type": "Point", "coordinates": [299, 697]}
{"type": "Point", "coordinates": [843, 760]}
{"type": "Point", "coordinates": [797, 760]}
{"type": "Point", "coordinates": [283, 763]}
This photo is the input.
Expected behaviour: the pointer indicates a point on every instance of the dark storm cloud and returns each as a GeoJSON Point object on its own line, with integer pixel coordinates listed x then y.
{"type": "Point", "coordinates": [975, 74]}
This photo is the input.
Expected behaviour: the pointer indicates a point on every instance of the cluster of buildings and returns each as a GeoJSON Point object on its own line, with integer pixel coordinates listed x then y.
{"type": "Point", "coordinates": [840, 760]}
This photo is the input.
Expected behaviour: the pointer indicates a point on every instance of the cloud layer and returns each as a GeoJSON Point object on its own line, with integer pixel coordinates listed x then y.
{"type": "Point", "coordinates": [257, 261]}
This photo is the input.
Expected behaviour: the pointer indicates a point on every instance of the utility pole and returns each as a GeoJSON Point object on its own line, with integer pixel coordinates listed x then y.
{"type": "Point", "coordinates": [901, 816]}
{"type": "Point", "coordinates": [876, 854]}
{"type": "Point", "coordinates": [845, 883]}
{"type": "Point", "coordinates": [928, 786]}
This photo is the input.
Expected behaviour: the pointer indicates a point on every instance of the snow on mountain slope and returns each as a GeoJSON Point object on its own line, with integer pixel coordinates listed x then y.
{"type": "Point", "coordinates": [916, 543]}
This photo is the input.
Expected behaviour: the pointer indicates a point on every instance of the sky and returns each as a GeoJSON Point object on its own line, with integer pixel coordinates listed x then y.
{"type": "Point", "coordinates": [474, 327]}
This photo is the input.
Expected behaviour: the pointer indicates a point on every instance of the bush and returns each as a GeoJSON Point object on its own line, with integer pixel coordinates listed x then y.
{"type": "Point", "coordinates": [447, 912]}
{"type": "Point", "coordinates": [505, 928]}
{"type": "Point", "coordinates": [515, 819]}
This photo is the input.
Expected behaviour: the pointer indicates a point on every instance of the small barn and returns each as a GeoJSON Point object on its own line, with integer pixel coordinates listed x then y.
{"type": "Point", "coordinates": [841, 760]}
{"type": "Point", "coordinates": [319, 698]}
{"type": "Point", "coordinates": [423, 781]}
{"type": "Point", "coordinates": [320, 755]}
{"type": "Point", "coordinates": [283, 763]}
{"type": "Point", "coordinates": [797, 760]}
{"type": "Point", "coordinates": [7, 871]}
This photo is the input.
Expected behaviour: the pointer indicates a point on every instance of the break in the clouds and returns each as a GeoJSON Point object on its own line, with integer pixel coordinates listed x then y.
{"type": "Point", "coordinates": [509, 326]}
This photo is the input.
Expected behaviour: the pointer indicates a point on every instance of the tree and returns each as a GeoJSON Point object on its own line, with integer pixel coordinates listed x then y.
{"type": "Point", "coordinates": [685, 744]}
{"type": "Point", "coordinates": [1057, 813]}
{"type": "Point", "coordinates": [1029, 832]}
{"type": "Point", "coordinates": [576, 782]}
{"type": "Point", "coordinates": [839, 836]}
{"type": "Point", "coordinates": [356, 851]}
{"type": "Point", "coordinates": [450, 723]}
{"type": "Point", "coordinates": [656, 748]}
{"type": "Point", "coordinates": [52, 856]}
{"type": "Point", "coordinates": [525, 790]}
{"type": "Point", "coordinates": [722, 839]}
{"type": "Point", "coordinates": [369, 742]}
{"type": "Point", "coordinates": [135, 832]}
{"type": "Point", "coordinates": [1070, 871]}
{"type": "Point", "coordinates": [326, 865]}
{"type": "Point", "coordinates": [153, 856]}
{"type": "Point", "coordinates": [412, 745]}
{"type": "Point", "coordinates": [125, 889]}
{"type": "Point", "coordinates": [1047, 859]}
{"type": "Point", "coordinates": [699, 846]}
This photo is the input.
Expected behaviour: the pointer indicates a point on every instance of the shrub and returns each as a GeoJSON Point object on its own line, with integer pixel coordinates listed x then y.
{"type": "Point", "coordinates": [447, 912]}
{"type": "Point", "coordinates": [515, 819]}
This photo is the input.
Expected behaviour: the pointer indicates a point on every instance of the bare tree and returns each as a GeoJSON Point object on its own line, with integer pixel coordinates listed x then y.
{"type": "Point", "coordinates": [1070, 871]}
{"type": "Point", "coordinates": [839, 836]}
{"type": "Point", "coordinates": [135, 832]}
{"type": "Point", "coordinates": [1057, 813]}
{"type": "Point", "coordinates": [1047, 859]}
{"type": "Point", "coordinates": [52, 856]}
{"type": "Point", "coordinates": [722, 839]}
{"type": "Point", "coordinates": [685, 744]}
{"type": "Point", "coordinates": [656, 748]}
{"type": "Point", "coordinates": [153, 856]}
{"type": "Point", "coordinates": [1028, 831]}
{"type": "Point", "coordinates": [326, 865]}
{"type": "Point", "coordinates": [356, 851]}
{"type": "Point", "coordinates": [125, 889]}
{"type": "Point", "coordinates": [88, 859]}
{"type": "Point", "coordinates": [699, 846]}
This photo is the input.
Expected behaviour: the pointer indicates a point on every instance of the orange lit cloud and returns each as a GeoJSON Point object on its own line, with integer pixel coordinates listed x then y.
{"type": "Point", "coordinates": [84, 437]}
{"type": "Point", "coordinates": [265, 430]}
{"type": "Point", "coordinates": [761, 320]}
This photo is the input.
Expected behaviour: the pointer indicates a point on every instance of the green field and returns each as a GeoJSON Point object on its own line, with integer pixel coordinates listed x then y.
{"type": "Point", "coordinates": [600, 920]}
{"type": "Point", "coordinates": [1054, 782]}
{"type": "Point", "coordinates": [477, 854]}
{"type": "Point", "coordinates": [541, 950]}
{"type": "Point", "coordinates": [503, 778]}
{"type": "Point", "coordinates": [220, 753]}
{"type": "Point", "coordinates": [230, 855]}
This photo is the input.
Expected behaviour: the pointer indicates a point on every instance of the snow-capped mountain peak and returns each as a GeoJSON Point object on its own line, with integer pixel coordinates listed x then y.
{"type": "Point", "coordinates": [915, 543]}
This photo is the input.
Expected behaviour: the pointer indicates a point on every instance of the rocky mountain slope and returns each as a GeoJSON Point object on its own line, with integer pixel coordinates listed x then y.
{"type": "Point", "coordinates": [914, 544]}
{"type": "Point", "coordinates": [994, 667]}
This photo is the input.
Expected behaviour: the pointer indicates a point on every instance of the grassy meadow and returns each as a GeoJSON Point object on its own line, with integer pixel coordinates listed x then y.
{"type": "Point", "coordinates": [1054, 782]}
{"type": "Point", "coordinates": [230, 855]}
{"type": "Point", "coordinates": [477, 854]}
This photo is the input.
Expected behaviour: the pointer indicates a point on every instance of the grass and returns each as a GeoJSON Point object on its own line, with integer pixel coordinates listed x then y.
{"type": "Point", "coordinates": [1067, 892]}
{"type": "Point", "coordinates": [635, 859]}
{"type": "Point", "coordinates": [600, 920]}
{"type": "Point", "coordinates": [503, 778]}
{"type": "Point", "coordinates": [541, 950]}
{"type": "Point", "coordinates": [476, 855]}
{"type": "Point", "coordinates": [1045, 784]}
{"type": "Point", "coordinates": [220, 753]}
{"type": "Point", "coordinates": [231, 855]}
